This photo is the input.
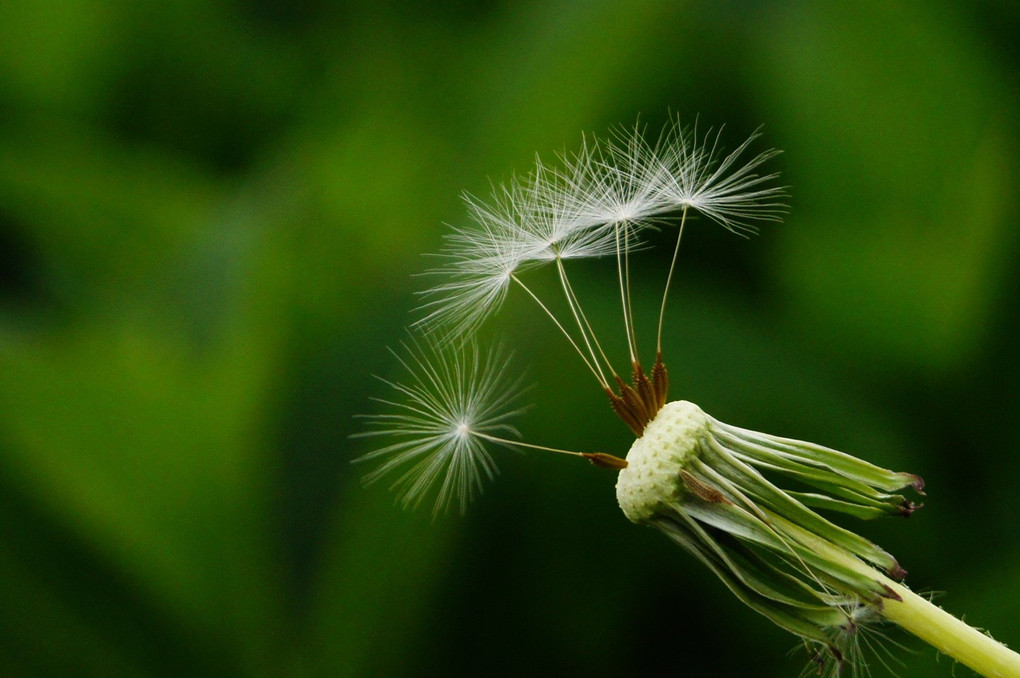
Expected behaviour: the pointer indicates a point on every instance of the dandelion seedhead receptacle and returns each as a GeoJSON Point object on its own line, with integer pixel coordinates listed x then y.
{"type": "Point", "coordinates": [748, 505]}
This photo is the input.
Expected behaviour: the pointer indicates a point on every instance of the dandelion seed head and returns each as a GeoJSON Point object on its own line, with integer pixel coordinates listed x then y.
{"type": "Point", "coordinates": [453, 400]}
{"type": "Point", "coordinates": [732, 194]}
{"type": "Point", "coordinates": [615, 182]}
{"type": "Point", "coordinates": [478, 267]}
{"type": "Point", "coordinates": [591, 203]}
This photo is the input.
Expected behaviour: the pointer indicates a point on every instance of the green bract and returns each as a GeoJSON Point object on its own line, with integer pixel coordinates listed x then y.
{"type": "Point", "coordinates": [701, 482]}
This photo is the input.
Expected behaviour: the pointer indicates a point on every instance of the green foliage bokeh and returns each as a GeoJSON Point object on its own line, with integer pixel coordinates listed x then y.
{"type": "Point", "coordinates": [210, 218]}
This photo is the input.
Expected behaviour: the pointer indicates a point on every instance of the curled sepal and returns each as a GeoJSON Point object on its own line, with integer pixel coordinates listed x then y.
{"type": "Point", "coordinates": [777, 595]}
{"type": "Point", "coordinates": [761, 493]}
{"type": "Point", "coordinates": [787, 455]}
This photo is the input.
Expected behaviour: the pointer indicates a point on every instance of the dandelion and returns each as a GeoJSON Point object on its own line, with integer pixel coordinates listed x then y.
{"type": "Point", "coordinates": [744, 503]}
{"type": "Point", "coordinates": [454, 404]}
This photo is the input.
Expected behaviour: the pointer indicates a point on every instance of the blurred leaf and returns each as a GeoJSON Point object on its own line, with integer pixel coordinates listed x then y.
{"type": "Point", "coordinates": [210, 214]}
{"type": "Point", "coordinates": [376, 588]}
{"type": "Point", "coordinates": [900, 162]}
{"type": "Point", "coordinates": [106, 219]}
{"type": "Point", "coordinates": [145, 451]}
{"type": "Point", "coordinates": [54, 54]}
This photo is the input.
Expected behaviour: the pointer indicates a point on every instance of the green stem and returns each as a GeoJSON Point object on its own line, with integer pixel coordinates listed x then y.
{"type": "Point", "coordinates": [949, 635]}
{"type": "Point", "coordinates": [927, 621]}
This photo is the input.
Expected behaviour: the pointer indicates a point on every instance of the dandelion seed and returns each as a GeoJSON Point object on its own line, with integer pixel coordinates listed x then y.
{"type": "Point", "coordinates": [592, 206]}
{"type": "Point", "coordinates": [454, 403]}
{"type": "Point", "coordinates": [480, 265]}
{"type": "Point", "coordinates": [617, 182]}
{"type": "Point", "coordinates": [735, 196]}
{"type": "Point", "coordinates": [857, 644]}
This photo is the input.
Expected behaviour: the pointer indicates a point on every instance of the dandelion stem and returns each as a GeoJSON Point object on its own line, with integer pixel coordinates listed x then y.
{"type": "Point", "coordinates": [624, 299]}
{"type": "Point", "coordinates": [598, 376]}
{"type": "Point", "coordinates": [630, 304]}
{"type": "Point", "coordinates": [575, 309]}
{"type": "Point", "coordinates": [949, 635]}
{"type": "Point", "coordinates": [930, 623]}
{"type": "Point", "coordinates": [669, 279]}
{"type": "Point", "coordinates": [596, 458]}
{"type": "Point", "coordinates": [530, 446]}
{"type": "Point", "coordinates": [568, 290]}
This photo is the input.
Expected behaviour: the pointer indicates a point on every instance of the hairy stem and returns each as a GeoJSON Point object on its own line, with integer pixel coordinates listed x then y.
{"type": "Point", "coordinates": [949, 635]}
{"type": "Point", "coordinates": [930, 623]}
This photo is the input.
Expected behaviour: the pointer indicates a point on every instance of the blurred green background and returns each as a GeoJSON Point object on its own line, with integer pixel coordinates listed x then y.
{"type": "Point", "coordinates": [210, 218]}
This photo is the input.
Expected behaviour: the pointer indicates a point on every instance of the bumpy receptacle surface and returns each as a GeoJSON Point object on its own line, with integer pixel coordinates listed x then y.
{"type": "Point", "coordinates": [654, 461]}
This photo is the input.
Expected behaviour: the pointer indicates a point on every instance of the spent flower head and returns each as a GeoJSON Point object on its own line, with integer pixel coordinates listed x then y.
{"type": "Point", "coordinates": [745, 504]}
